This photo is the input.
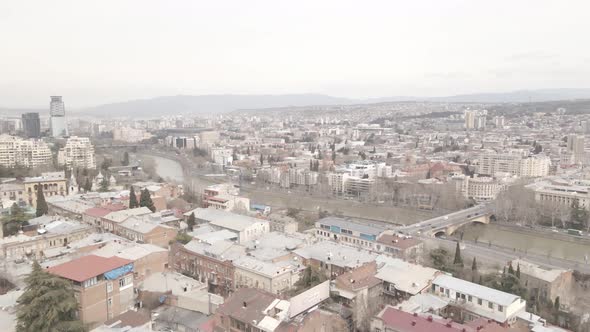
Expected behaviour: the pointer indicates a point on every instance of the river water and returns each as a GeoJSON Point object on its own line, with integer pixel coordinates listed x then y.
{"type": "Point", "coordinates": [168, 169]}
{"type": "Point", "coordinates": [524, 242]}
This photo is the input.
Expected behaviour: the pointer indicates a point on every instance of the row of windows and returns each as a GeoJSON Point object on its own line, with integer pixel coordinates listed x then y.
{"type": "Point", "coordinates": [469, 298]}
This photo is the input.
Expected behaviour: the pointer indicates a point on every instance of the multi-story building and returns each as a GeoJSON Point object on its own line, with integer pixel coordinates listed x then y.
{"type": "Point", "coordinates": [561, 193]}
{"type": "Point", "coordinates": [17, 152]}
{"type": "Point", "coordinates": [210, 263]}
{"type": "Point", "coordinates": [31, 125]}
{"type": "Point", "coordinates": [514, 163]}
{"type": "Point", "coordinates": [475, 301]}
{"type": "Point", "coordinates": [103, 286]}
{"type": "Point", "coordinates": [77, 153]}
{"type": "Point", "coordinates": [273, 277]}
{"type": "Point", "coordinates": [575, 146]}
{"type": "Point", "coordinates": [545, 283]}
{"type": "Point", "coordinates": [11, 192]}
{"type": "Point", "coordinates": [348, 233]}
{"type": "Point", "coordinates": [481, 188]}
{"type": "Point", "coordinates": [52, 183]}
{"type": "Point", "coordinates": [247, 228]}
{"type": "Point", "coordinates": [222, 156]}
{"type": "Point", "coordinates": [53, 236]}
{"type": "Point", "coordinates": [128, 134]}
{"type": "Point", "coordinates": [57, 111]}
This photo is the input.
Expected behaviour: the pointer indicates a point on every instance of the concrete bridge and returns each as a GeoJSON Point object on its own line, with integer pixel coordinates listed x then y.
{"type": "Point", "coordinates": [448, 224]}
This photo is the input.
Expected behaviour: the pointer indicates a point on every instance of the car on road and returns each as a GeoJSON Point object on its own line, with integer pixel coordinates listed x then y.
{"type": "Point", "coordinates": [446, 217]}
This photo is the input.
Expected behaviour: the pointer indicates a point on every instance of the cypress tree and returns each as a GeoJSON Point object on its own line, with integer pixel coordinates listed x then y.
{"type": "Point", "coordinates": [104, 185]}
{"type": "Point", "coordinates": [132, 199]}
{"type": "Point", "coordinates": [146, 200]}
{"type": "Point", "coordinates": [88, 185]}
{"type": "Point", "coordinates": [261, 159]}
{"type": "Point", "coordinates": [518, 271]}
{"type": "Point", "coordinates": [191, 222]}
{"type": "Point", "coordinates": [458, 259]}
{"type": "Point", "coordinates": [42, 207]}
{"type": "Point", "coordinates": [510, 269]}
{"type": "Point", "coordinates": [125, 161]}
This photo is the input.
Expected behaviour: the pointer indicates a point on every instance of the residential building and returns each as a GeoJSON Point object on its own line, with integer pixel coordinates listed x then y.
{"type": "Point", "coordinates": [400, 246]}
{"type": "Point", "coordinates": [475, 301]}
{"type": "Point", "coordinates": [18, 152]}
{"type": "Point", "coordinates": [31, 125]}
{"type": "Point", "coordinates": [12, 192]}
{"type": "Point", "coordinates": [360, 291]}
{"type": "Point", "coordinates": [513, 163]}
{"type": "Point", "coordinates": [57, 111]}
{"type": "Point", "coordinates": [103, 286]}
{"type": "Point", "coordinates": [208, 263]}
{"type": "Point", "coordinates": [247, 228]}
{"type": "Point", "coordinates": [145, 231]}
{"type": "Point", "coordinates": [333, 259]}
{"type": "Point", "coordinates": [545, 282]}
{"type": "Point", "coordinates": [575, 146]}
{"type": "Point", "coordinates": [131, 135]}
{"type": "Point", "coordinates": [56, 236]}
{"type": "Point", "coordinates": [482, 188]}
{"type": "Point", "coordinates": [52, 183]}
{"type": "Point", "coordinates": [392, 319]}
{"type": "Point", "coordinates": [273, 277]}
{"type": "Point", "coordinates": [77, 153]}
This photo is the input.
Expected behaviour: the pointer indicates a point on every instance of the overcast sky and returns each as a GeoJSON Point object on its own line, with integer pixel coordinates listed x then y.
{"type": "Point", "coordinates": [95, 52]}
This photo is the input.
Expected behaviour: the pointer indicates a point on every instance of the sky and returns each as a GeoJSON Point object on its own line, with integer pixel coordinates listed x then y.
{"type": "Point", "coordinates": [96, 52]}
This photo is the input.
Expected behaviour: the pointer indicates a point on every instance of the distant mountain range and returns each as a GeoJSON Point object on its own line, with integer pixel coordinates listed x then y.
{"type": "Point", "coordinates": [184, 104]}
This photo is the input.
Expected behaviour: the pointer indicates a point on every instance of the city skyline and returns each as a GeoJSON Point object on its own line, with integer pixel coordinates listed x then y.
{"type": "Point", "coordinates": [340, 49]}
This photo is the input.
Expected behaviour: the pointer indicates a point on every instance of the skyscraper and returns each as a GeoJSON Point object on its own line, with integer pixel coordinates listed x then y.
{"type": "Point", "coordinates": [58, 123]}
{"type": "Point", "coordinates": [31, 125]}
{"type": "Point", "coordinates": [575, 146]}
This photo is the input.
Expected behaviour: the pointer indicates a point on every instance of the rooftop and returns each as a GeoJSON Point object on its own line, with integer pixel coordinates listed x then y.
{"type": "Point", "coordinates": [87, 267]}
{"type": "Point", "coordinates": [336, 254]}
{"type": "Point", "coordinates": [350, 225]}
{"type": "Point", "coordinates": [479, 291]}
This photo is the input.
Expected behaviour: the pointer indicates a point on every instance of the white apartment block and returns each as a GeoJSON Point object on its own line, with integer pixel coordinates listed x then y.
{"type": "Point", "coordinates": [18, 152]}
{"type": "Point", "coordinates": [513, 163]}
{"type": "Point", "coordinates": [222, 156]}
{"type": "Point", "coordinates": [478, 301]}
{"type": "Point", "coordinates": [128, 134]}
{"type": "Point", "coordinates": [77, 153]}
{"type": "Point", "coordinates": [482, 188]}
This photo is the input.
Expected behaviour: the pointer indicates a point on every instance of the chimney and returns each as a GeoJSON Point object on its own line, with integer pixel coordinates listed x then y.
{"type": "Point", "coordinates": [429, 318]}
{"type": "Point", "coordinates": [413, 323]}
{"type": "Point", "coordinates": [449, 324]}
{"type": "Point", "coordinates": [415, 314]}
{"type": "Point", "coordinates": [244, 304]}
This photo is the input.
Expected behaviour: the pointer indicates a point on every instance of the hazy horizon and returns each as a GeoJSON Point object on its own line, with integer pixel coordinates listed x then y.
{"type": "Point", "coordinates": [95, 53]}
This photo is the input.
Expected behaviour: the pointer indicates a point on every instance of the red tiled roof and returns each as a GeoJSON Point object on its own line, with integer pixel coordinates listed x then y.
{"type": "Point", "coordinates": [405, 322]}
{"type": "Point", "coordinates": [86, 267]}
{"type": "Point", "coordinates": [97, 212]}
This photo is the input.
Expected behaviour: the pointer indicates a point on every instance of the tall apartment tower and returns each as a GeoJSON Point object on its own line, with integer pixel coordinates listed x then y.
{"type": "Point", "coordinates": [31, 125]}
{"type": "Point", "coordinates": [575, 146]}
{"type": "Point", "coordinates": [57, 111]}
{"type": "Point", "coordinates": [469, 119]}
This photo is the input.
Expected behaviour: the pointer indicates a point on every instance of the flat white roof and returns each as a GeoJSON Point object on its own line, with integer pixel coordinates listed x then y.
{"type": "Point", "coordinates": [479, 291]}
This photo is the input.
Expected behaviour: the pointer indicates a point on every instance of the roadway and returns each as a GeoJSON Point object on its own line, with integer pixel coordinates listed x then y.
{"type": "Point", "coordinates": [440, 223]}
{"type": "Point", "coordinates": [495, 254]}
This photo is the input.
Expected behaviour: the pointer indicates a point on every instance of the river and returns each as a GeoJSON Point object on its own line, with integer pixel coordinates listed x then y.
{"type": "Point", "coordinates": [168, 169]}
{"type": "Point", "coordinates": [524, 242]}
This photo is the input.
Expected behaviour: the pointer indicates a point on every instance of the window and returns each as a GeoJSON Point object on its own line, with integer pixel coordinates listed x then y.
{"type": "Point", "coordinates": [490, 305]}
{"type": "Point", "coordinates": [479, 301]}
{"type": "Point", "coordinates": [109, 302]}
{"type": "Point", "coordinates": [500, 308]}
{"type": "Point", "coordinates": [90, 282]}
{"type": "Point", "coordinates": [109, 286]}
{"type": "Point", "coordinates": [121, 282]}
{"type": "Point", "coordinates": [469, 298]}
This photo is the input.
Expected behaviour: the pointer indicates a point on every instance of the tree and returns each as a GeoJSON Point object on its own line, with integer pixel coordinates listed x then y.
{"type": "Point", "coordinates": [125, 161]}
{"type": "Point", "coordinates": [473, 269]}
{"type": "Point", "coordinates": [132, 199]}
{"type": "Point", "coordinates": [458, 260]}
{"type": "Point", "coordinates": [261, 159]}
{"type": "Point", "coordinates": [104, 185]}
{"type": "Point", "coordinates": [191, 222]}
{"type": "Point", "coordinates": [42, 207]}
{"type": "Point", "coordinates": [183, 238]}
{"type": "Point", "coordinates": [556, 304]}
{"type": "Point", "coordinates": [47, 304]}
{"type": "Point", "coordinates": [14, 222]}
{"type": "Point", "coordinates": [145, 199]}
{"type": "Point", "coordinates": [88, 185]}
{"type": "Point", "coordinates": [334, 156]}
{"type": "Point", "coordinates": [518, 271]}
{"type": "Point", "coordinates": [106, 164]}
{"type": "Point", "coordinates": [511, 269]}
{"type": "Point", "coordinates": [439, 258]}
{"type": "Point", "coordinates": [578, 214]}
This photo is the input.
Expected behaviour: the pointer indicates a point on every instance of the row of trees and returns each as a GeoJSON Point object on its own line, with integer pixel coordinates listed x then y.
{"type": "Point", "coordinates": [145, 199]}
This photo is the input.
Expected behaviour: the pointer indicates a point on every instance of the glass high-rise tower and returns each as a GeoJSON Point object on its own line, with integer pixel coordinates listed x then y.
{"type": "Point", "coordinates": [57, 111]}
